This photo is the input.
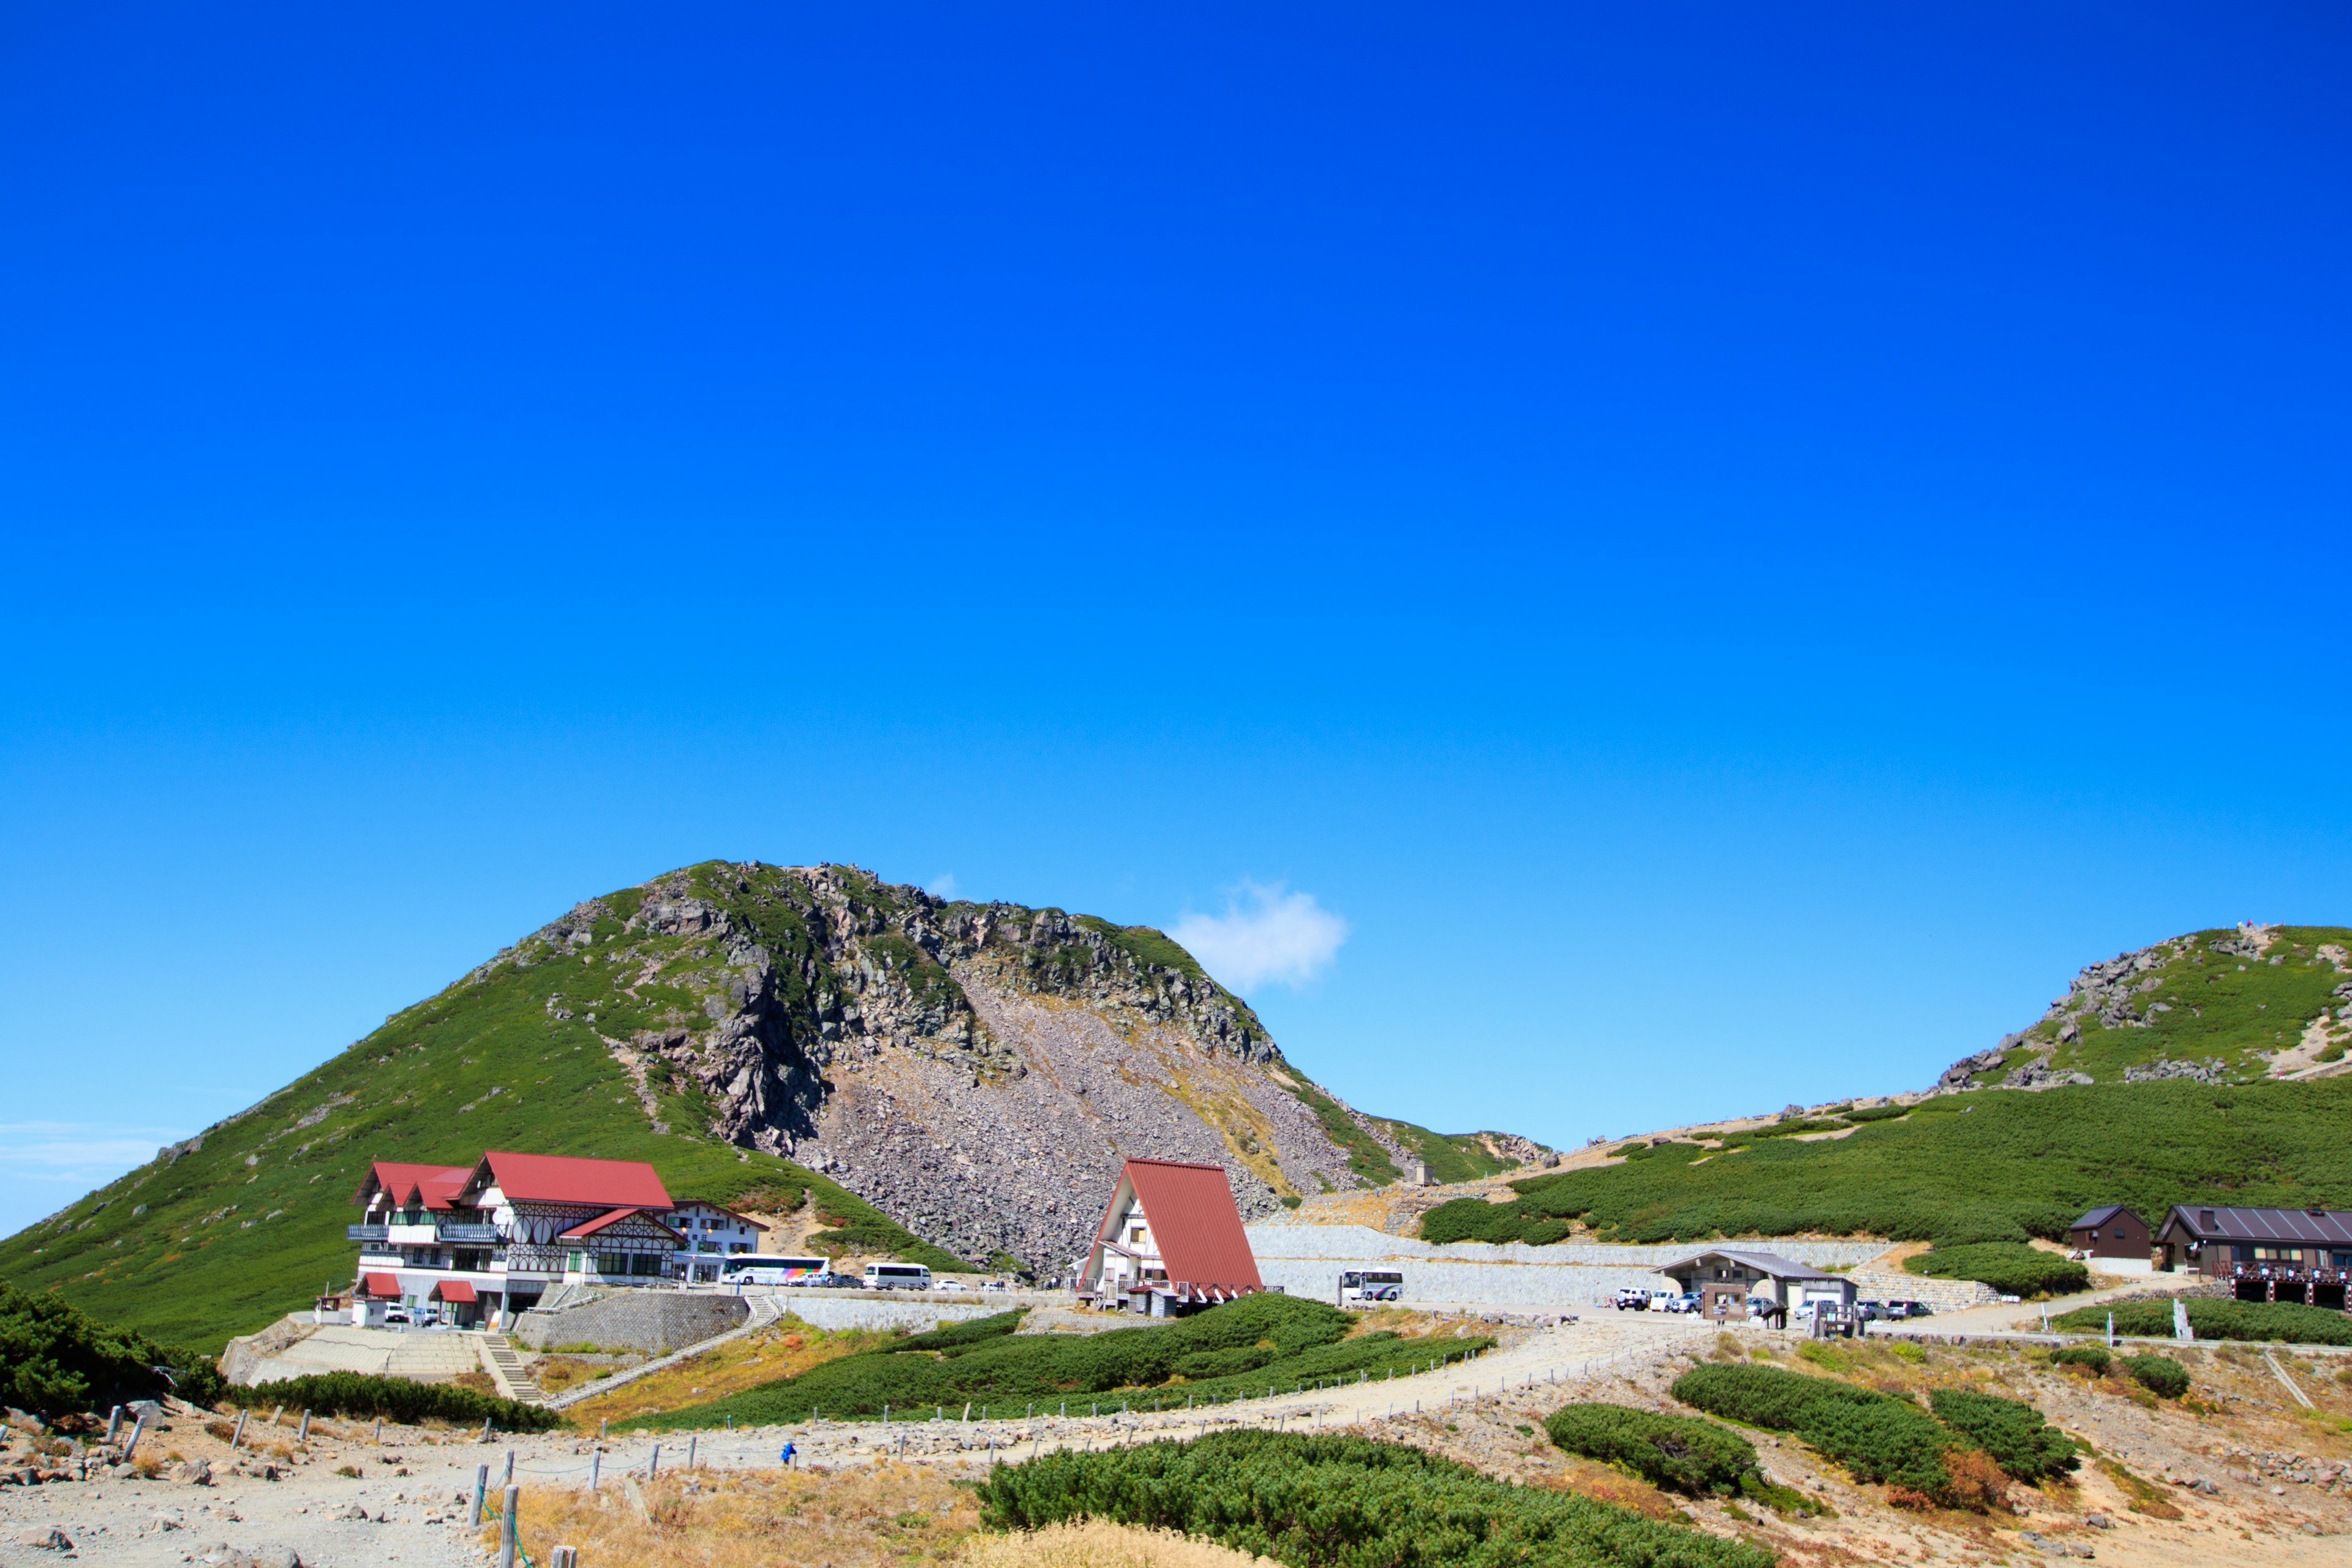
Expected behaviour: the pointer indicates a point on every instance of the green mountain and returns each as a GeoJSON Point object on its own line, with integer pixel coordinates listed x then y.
{"type": "Point", "coordinates": [885, 1072]}
{"type": "Point", "coordinates": [1977, 1166]}
{"type": "Point", "coordinates": [2217, 1007]}
{"type": "Point", "coordinates": [2211, 1068]}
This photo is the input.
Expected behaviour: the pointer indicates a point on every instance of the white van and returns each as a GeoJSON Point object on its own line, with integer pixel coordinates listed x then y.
{"type": "Point", "coordinates": [897, 1276]}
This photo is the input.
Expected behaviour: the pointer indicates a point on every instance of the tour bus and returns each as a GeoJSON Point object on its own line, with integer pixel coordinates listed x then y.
{"type": "Point", "coordinates": [897, 1276]}
{"type": "Point", "coordinates": [753, 1268]}
{"type": "Point", "coordinates": [1371, 1285]}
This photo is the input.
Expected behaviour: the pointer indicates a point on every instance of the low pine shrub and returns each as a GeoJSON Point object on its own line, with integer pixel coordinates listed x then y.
{"type": "Point", "coordinates": [963, 1336]}
{"type": "Point", "coordinates": [2283, 1322]}
{"type": "Point", "coordinates": [1876, 1437]}
{"type": "Point", "coordinates": [2011, 1432]}
{"type": "Point", "coordinates": [2160, 1375]}
{"type": "Point", "coordinates": [1760, 1396]}
{"type": "Point", "coordinates": [395, 1399]}
{"type": "Point", "coordinates": [1243, 1347]}
{"type": "Point", "coordinates": [1672, 1451]}
{"type": "Point", "coordinates": [55, 1361]}
{"type": "Point", "coordinates": [1343, 1502]}
{"type": "Point", "coordinates": [1883, 1439]}
{"type": "Point", "coordinates": [2094, 1359]}
{"type": "Point", "coordinates": [2009, 1267]}
{"type": "Point", "coordinates": [1878, 1113]}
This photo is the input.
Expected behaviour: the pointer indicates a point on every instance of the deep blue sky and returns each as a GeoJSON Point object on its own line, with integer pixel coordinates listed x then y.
{"type": "Point", "coordinates": [1734, 550]}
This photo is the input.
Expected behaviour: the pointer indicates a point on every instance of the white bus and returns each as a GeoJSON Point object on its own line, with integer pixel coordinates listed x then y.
{"type": "Point", "coordinates": [897, 1276]}
{"type": "Point", "coordinates": [754, 1269]}
{"type": "Point", "coordinates": [1371, 1285]}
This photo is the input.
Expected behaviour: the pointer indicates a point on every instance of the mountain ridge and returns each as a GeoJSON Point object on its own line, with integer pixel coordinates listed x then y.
{"type": "Point", "coordinates": [911, 1076]}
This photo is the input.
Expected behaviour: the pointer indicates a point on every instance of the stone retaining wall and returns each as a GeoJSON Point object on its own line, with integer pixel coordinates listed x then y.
{"type": "Point", "coordinates": [1308, 1259]}
{"type": "Point", "coordinates": [653, 1321]}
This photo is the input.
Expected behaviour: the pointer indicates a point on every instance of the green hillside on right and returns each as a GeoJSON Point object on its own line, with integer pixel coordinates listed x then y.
{"type": "Point", "coordinates": [1974, 1166]}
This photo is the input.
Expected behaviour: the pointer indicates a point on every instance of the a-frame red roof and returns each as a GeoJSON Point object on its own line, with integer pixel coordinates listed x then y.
{"type": "Point", "coordinates": [1195, 1226]}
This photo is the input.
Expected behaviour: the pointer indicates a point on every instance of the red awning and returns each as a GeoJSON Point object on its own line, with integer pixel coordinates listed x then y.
{"type": "Point", "coordinates": [380, 1284]}
{"type": "Point", "coordinates": [454, 1291]}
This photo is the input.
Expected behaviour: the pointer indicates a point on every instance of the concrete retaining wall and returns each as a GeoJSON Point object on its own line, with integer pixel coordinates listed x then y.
{"type": "Point", "coordinates": [654, 1320]}
{"type": "Point", "coordinates": [1308, 1259]}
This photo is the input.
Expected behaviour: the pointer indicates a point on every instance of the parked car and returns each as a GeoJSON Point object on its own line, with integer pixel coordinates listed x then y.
{"type": "Point", "coordinates": [1688, 1302]}
{"type": "Point", "coordinates": [396, 1315]}
{"type": "Point", "coordinates": [1873, 1311]}
{"type": "Point", "coordinates": [1909, 1308]}
{"type": "Point", "coordinates": [1630, 1300]}
{"type": "Point", "coordinates": [835, 1283]}
{"type": "Point", "coordinates": [994, 1285]}
{"type": "Point", "coordinates": [952, 1287]}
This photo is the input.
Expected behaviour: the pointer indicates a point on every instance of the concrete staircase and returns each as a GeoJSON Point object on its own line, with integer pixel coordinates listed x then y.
{"type": "Point", "coordinates": [505, 1367]}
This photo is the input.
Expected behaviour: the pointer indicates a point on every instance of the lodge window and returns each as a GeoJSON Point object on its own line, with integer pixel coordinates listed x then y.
{"type": "Point", "coordinates": [2262, 1254]}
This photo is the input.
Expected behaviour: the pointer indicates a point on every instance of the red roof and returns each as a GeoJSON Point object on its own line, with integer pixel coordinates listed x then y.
{"type": "Point", "coordinates": [431, 1186]}
{"type": "Point", "coordinates": [605, 1221]}
{"type": "Point", "coordinates": [380, 1284]}
{"type": "Point", "coordinates": [1194, 1224]}
{"type": "Point", "coordinates": [455, 1290]}
{"type": "Point", "coordinates": [567, 1179]}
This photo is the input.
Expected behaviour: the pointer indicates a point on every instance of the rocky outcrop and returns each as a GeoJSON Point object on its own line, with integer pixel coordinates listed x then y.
{"type": "Point", "coordinates": [2211, 1071]}
{"type": "Point", "coordinates": [977, 1071]}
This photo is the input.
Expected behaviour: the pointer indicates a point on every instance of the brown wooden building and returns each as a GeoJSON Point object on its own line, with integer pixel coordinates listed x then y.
{"type": "Point", "coordinates": [2272, 1255]}
{"type": "Point", "coordinates": [2113, 1232]}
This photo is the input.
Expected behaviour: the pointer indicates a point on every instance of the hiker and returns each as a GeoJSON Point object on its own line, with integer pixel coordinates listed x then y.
{"type": "Point", "coordinates": [787, 1454]}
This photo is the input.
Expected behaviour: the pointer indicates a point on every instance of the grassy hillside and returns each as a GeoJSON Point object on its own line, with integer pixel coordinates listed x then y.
{"type": "Point", "coordinates": [1983, 1166]}
{"type": "Point", "coordinates": [2211, 995]}
{"type": "Point", "coordinates": [1450, 1156]}
{"type": "Point", "coordinates": [222, 1239]}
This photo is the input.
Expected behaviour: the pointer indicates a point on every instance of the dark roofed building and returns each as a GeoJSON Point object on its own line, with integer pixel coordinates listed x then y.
{"type": "Point", "coordinates": [2114, 1236]}
{"type": "Point", "coordinates": [2272, 1254]}
{"type": "Point", "coordinates": [1725, 1277]}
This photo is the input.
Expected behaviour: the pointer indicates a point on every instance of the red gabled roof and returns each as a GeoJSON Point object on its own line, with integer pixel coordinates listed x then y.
{"type": "Point", "coordinates": [380, 1284]}
{"type": "Point", "coordinates": [432, 1186]}
{"type": "Point", "coordinates": [454, 1291]}
{"type": "Point", "coordinates": [606, 1221]}
{"type": "Point", "coordinates": [567, 1179]}
{"type": "Point", "coordinates": [1197, 1229]}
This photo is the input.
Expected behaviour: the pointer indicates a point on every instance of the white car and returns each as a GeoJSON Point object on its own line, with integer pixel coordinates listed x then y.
{"type": "Point", "coordinates": [954, 1287]}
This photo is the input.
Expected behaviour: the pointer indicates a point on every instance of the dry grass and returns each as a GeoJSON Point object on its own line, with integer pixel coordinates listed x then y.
{"type": "Point", "coordinates": [1095, 1543]}
{"type": "Point", "coordinates": [865, 1516]}
{"type": "Point", "coordinates": [787, 1350]}
{"type": "Point", "coordinates": [1406, 1323]}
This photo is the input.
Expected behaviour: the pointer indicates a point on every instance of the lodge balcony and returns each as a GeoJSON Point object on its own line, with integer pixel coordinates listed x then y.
{"type": "Point", "coordinates": [2291, 1273]}
{"type": "Point", "coordinates": [426, 1234]}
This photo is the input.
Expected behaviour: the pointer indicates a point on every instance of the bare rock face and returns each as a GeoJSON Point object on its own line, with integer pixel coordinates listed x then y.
{"type": "Point", "coordinates": [977, 1071]}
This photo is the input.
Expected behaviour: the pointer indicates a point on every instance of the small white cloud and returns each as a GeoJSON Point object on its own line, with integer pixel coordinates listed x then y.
{"type": "Point", "coordinates": [943, 885]}
{"type": "Point", "coordinates": [1264, 936]}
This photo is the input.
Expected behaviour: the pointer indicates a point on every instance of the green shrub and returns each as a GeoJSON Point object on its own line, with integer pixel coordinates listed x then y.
{"type": "Point", "coordinates": [395, 1399]}
{"type": "Point", "coordinates": [963, 1336]}
{"type": "Point", "coordinates": [2010, 1431]}
{"type": "Point", "coordinates": [2160, 1375]}
{"type": "Point", "coordinates": [1633, 1151]}
{"type": "Point", "coordinates": [1344, 1502]}
{"type": "Point", "coordinates": [1883, 1439]}
{"type": "Point", "coordinates": [55, 1361]}
{"type": "Point", "coordinates": [1227, 1344]}
{"type": "Point", "coordinates": [1875, 1437]}
{"type": "Point", "coordinates": [1760, 1396]}
{"type": "Point", "coordinates": [2280, 1321]}
{"type": "Point", "coordinates": [1878, 1113]}
{"type": "Point", "coordinates": [2095, 1357]}
{"type": "Point", "coordinates": [1672, 1451]}
{"type": "Point", "coordinates": [1807, 1125]}
{"type": "Point", "coordinates": [2011, 1268]}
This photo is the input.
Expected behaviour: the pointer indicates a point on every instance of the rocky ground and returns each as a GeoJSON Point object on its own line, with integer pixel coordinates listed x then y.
{"type": "Point", "coordinates": [2238, 1473]}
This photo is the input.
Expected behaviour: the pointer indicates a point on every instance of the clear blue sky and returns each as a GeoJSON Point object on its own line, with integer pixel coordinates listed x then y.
{"type": "Point", "coordinates": [1732, 549]}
